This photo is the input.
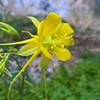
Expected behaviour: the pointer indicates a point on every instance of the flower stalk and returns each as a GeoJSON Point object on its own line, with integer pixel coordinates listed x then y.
{"type": "Point", "coordinates": [44, 64]}
{"type": "Point", "coordinates": [20, 72]}
{"type": "Point", "coordinates": [44, 83]}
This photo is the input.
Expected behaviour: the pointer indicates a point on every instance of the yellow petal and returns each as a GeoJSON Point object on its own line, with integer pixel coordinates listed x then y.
{"type": "Point", "coordinates": [49, 25]}
{"type": "Point", "coordinates": [65, 30]}
{"type": "Point", "coordinates": [34, 20]}
{"type": "Point", "coordinates": [62, 54]}
{"type": "Point", "coordinates": [27, 49]}
{"type": "Point", "coordinates": [65, 34]}
{"type": "Point", "coordinates": [41, 29]}
{"type": "Point", "coordinates": [46, 53]}
{"type": "Point", "coordinates": [68, 28]}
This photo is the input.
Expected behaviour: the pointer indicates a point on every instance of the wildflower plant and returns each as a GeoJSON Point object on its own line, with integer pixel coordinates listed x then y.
{"type": "Point", "coordinates": [53, 36]}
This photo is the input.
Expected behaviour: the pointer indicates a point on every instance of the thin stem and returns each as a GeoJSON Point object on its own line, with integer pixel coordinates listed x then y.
{"type": "Point", "coordinates": [44, 82]}
{"type": "Point", "coordinates": [8, 72]}
{"type": "Point", "coordinates": [8, 53]}
{"type": "Point", "coordinates": [29, 33]}
{"type": "Point", "coordinates": [21, 90]}
{"type": "Point", "coordinates": [22, 87]}
{"type": "Point", "coordinates": [21, 71]}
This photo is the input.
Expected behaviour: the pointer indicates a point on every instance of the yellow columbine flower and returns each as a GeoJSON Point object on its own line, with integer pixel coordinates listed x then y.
{"type": "Point", "coordinates": [52, 37]}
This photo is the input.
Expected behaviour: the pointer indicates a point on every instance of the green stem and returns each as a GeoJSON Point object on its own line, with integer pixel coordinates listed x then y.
{"type": "Point", "coordinates": [20, 72]}
{"type": "Point", "coordinates": [44, 83]}
{"type": "Point", "coordinates": [22, 88]}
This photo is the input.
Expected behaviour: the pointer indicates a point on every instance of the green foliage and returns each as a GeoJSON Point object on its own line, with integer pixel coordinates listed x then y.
{"type": "Point", "coordinates": [8, 29]}
{"type": "Point", "coordinates": [78, 82]}
{"type": "Point", "coordinates": [19, 24]}
{"type": "Point", "coordinates": [22, 23]}
{"type": "Point", "coordinates": [3, 61]}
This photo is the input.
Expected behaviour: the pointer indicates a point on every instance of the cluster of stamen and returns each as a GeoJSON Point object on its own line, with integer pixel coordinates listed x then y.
{"type": "Point", "coordinates": [52, 41]}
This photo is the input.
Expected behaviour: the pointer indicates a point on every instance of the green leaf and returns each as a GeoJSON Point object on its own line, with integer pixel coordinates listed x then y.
{"type": "Point", "coordinates": [27, 50]}
{"type": "Point", "coordinates": [34, 20]}
{"type": "Point", "coordinates": [8, 29]}
{"type": "Point", "coordinates": [3, 63]}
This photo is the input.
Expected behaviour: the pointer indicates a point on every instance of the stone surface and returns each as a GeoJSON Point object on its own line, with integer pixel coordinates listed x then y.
{"type": "Point", "coordinates": [36, 7]}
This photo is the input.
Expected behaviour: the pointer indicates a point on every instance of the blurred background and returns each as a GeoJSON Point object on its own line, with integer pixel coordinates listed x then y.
{"type": "Point", "coordinates": [78, 79]}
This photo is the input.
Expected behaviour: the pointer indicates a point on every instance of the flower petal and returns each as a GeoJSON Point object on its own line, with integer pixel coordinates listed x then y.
{"type": "Point", "coordinates": [27, 49]}
{"type": "Point", "coordinates": [46, 53]}
{"type": "Point", "coordinates": [62, 54]}
{"type": "Point", "coordinates": [65, 34]}
{"type": "Point", "coordinates": [65, 30]}
{"type": "Point", "coordinates": [49, 25]}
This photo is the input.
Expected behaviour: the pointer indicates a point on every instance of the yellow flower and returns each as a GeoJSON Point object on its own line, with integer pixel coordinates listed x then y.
{"type": "Point", "coordinates": [52, 37]}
